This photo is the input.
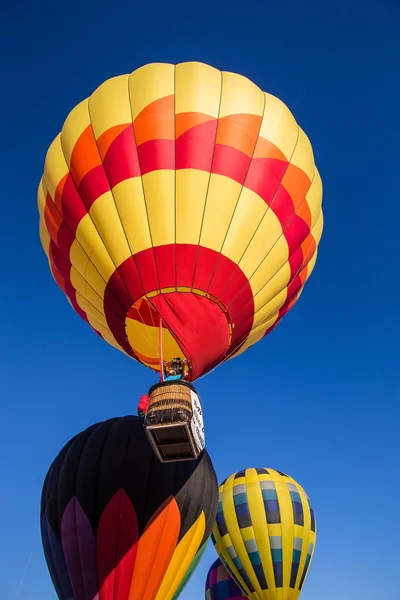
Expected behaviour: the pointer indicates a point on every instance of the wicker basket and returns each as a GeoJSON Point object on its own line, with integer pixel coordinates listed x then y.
{"type": "Point", "coordinates": [167, 397]}
{"type": "Point", "coordinates": [168, 421]}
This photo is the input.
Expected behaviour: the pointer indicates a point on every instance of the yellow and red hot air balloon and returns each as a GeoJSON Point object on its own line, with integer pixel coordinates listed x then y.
{"type": "Point", "coordinates": [186, 197]}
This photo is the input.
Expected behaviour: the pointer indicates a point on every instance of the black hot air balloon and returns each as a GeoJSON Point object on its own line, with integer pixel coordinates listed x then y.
{"type": "Point", "coordinates": [119, 525]}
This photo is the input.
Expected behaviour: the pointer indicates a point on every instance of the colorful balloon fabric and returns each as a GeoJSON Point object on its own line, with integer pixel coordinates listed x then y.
{"type": "Point", "coordinates": [265, 533]}
{"type": "Point", "coordinates": [186, 198]}
{"type": "Point", "coordinates": [116, 523]}
{"type": "Point", "coordinates": [220, 585]}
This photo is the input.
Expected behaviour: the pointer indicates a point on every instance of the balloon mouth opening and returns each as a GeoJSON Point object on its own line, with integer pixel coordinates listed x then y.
{"type": "Point", "coordinates": [187, 319]}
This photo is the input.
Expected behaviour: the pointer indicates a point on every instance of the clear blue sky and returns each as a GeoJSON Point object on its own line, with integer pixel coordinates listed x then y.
{"type": "Point", "coordinates": [322, 398]}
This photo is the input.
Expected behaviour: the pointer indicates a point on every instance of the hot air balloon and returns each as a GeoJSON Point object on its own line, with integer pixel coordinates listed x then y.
{"type": "Point", "coordinates": [116, 523]}
{"type": "Point", "coordinates": [180, 210]}
{"type": "Point", "coordinates": [220, 585]}
{"type": "Point", "coordinates": [265, 533]}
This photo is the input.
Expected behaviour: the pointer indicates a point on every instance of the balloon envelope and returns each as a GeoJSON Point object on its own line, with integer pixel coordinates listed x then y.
{"type": "Point", "coordinates": [116, 523]}
{"type": "Point", "coordinates": [265, 533]}
{"type": "Point", "coordinates": [186, 194]}
{"type": "Point", "coordinates": [220, 585]}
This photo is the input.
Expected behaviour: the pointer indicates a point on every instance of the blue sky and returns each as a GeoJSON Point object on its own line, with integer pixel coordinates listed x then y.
{"type": "Point", "coordinates": [319, 398]}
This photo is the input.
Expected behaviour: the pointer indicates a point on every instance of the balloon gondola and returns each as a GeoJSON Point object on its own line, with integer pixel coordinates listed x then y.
{"type": "Point", "coordinates": [174, 421]}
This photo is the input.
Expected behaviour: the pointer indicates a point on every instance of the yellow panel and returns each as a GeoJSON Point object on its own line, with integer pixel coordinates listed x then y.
{"type": "Point", "coordinates": [89, 309]}
{"type": "Point", "coordinates": [75, 124]}
{"type": "Point", "coordinates": [311, 264]}
{"type": "Point", "coordinates": [279, 126]}
{"type": "Point", "coordinates": [143, 339]}
{"type": "Point", "coordinates": [240, 96]}
{"type": "Point", "coordinates": [83, 265]}
{"type": "Point", "coordinates": [314, 197]}
{"type": "Point", "coordinates": [318, 227]}
{"type": "Point", "coordinates": [41, 198]}
{"type": "Point", "coordinates": [44, 237]}
{"type": "Point", "coordinates": [221, 545]}
{"type": "Point", "coordinates": [129, 199]}
{"type": "Point", "coordinates": [105, 333]}
{"type": "Point", "coordinates": [287, 532]}
{"type": "Point", "coordinates": [191, 193]}
{"type": "Point", "coordinates": [109, 105]}
{"type": "Point", "coordinates": [259, 522]}
{"type": "Point", "coordinates": [184, 554]}
{"type": "Point", "coordinates": [269, 303]}
{"type": "Point", "coordinates": [234, 530]}
{"type": "Point", "coordinates": [268, 244]}
{"type": "Point", "coordinates": [80, 283]}
{"type": "Point", "coordinates": [248, 215]}
{"type": "Point", "coordinates": [88, 243]}
{"type": "Point", "coordinates": [150, 83]}
{"type": "Point", "coordinates": [306, 530]}
{"type": "Point", "coordinates": [197, 88]}
{"type": "Point", "coordinates": [159, 192]}
{"type": "Point", "coordinates": [108, 224]}
{"type": "Point", "coordinates": [55, 167]}
{"type": "Point", "coordinates": [303, 156]}
{"type": "Point", "coordinates": [256, 334]}
{"type": "Point", "coordinates": [221, 201]}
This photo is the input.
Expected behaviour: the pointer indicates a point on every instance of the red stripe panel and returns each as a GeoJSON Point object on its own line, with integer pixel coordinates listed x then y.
{"type": "Point", "coordinates": [186, 255]}
{"type": "Point", "coordinates": [58, 278]}
{"type": "Point", "coordinates": [165, 261]}
{"type": "Point", "coordinates": [302, 256]}
{"type": "Point", "coordinates": [199, 326]}
{"type": "Point", "coordinates": [296, 233]}
{"type": "Point", "coordinates": [231, 286]}
{"type": "Point", "coordinates": [121, 160]}
{"type": "Point", "coordinates": [195, 147]}
{"type": "Point", "coordinates": [117, 541]}
{"type": "Point", "coordinates": [60, 261]}
{"type": "Point", "coordinates": [264, 178]}
{"type": "Point", "coordinates": [93, 185]}
{"type": "Point", "coordinates": [223, 271]}
{"type": "Point", "coordinates": [63, 266]}
{"type": "Point", "coordinates": [293, 288]}
{"type": "Point", "coordinates": [72, 205]}
{"type": "Point", "coordinates": [65, 238]}
{"type": "Point", "coordinates": [147, 270]}
{"type": "Point", "coordinates": [52, 217]}
{"type": "Point", "coordinates": [295, 262]}
{"type": "Point", "coordinates": [131, 279]}
{"type": "Point", "coordinates": [155, 155]}
{"type": "Point", "coordinates": [230, 162]}
{"type": "Point", "coordinates": [205, 261]}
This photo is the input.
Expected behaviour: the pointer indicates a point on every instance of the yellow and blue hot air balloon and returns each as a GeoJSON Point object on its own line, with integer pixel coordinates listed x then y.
{"type": "Point", "coordinates": [265, 533]}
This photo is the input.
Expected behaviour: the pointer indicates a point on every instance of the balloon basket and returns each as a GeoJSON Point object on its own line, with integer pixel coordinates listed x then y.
{"type": "Point", "coordinates": [174, 423]}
